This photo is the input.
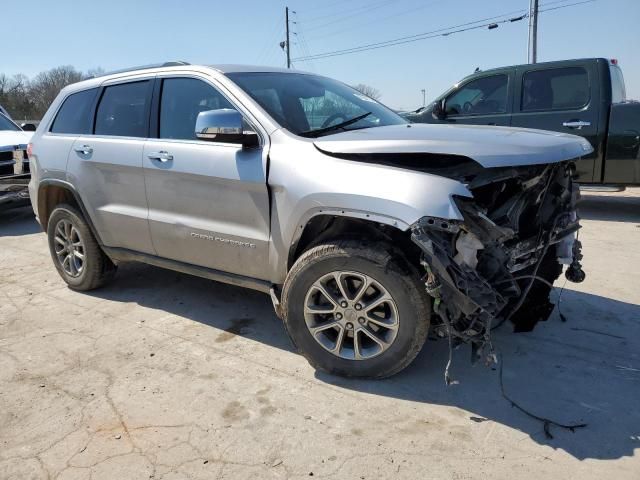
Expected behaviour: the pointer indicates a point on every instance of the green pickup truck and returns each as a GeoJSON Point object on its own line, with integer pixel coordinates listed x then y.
{"type": "Point", "coordinates": [584, 97]}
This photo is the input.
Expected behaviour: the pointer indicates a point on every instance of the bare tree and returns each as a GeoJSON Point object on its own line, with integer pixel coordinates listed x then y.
{"type": "Point", "coordinates": [94, 72]}
{"type": "Point", "coordinates": [14, 95]}
{"type": "Point", "coordinates": [30, 99]}
{"type": "Point", "coordinates": [368, 90]}
{"type": "Point", "coordinates": [46, 85]}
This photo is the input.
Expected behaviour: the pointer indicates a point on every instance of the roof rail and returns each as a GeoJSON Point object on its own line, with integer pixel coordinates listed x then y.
{"type": "Point", "coordinates": [175, 63]}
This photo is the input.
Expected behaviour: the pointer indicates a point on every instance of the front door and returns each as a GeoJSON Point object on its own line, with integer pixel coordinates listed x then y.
{"type": "Point", "coordinates": [562, 99]}
{"type": "Point", "coordinates": [208, 201]}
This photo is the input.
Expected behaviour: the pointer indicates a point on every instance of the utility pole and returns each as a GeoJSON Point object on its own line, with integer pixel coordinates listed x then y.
{"type": "Point", "coordinates": [424, 97]}
{"type": "Point", "coordinates": [533, 31]}
{"type": "Point", "coordinates": [286, 17]}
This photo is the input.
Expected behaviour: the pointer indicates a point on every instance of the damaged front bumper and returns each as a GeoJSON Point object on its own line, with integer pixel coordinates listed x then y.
{"type": "Point", "coordinates": [14, 191]}
{"type": "Point", "coordinates": [500, 261]}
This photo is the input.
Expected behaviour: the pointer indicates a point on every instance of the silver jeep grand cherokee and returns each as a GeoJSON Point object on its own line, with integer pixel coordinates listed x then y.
{"type": "Point", "coordinates": [367, 231]}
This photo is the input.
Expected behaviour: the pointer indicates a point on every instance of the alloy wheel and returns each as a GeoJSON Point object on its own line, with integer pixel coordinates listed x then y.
{"type": "Point", "coordinates": [69, 248]}
{"type": "Point", "coordinates": [351, 315]}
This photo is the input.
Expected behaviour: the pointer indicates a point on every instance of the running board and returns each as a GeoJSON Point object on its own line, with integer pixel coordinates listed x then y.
{"type": "Point", "coordinates": [603, 188]}
{"type": "Point", "coordinates": [117, 254]}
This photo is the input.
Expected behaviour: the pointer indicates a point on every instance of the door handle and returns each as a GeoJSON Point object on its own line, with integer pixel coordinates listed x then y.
{"type": "Point", "coordinates": [161, 155]}
{"type": "Point", "coordinates": [84, 150]}
{"type": "Point", "coordinates": [577, 124]}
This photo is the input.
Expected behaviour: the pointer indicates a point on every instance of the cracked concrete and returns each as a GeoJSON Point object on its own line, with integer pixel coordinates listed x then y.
{"type": "Point", "coordinates": [165, 376]}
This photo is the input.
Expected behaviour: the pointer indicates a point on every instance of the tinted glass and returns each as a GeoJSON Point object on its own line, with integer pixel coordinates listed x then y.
{"type": "Point", "coordinates": [75, 114]}
{"type": "Point", "coordinates": [306, 103]}
{"type": "Point", "coordinates": [483, 96]}
{"type": "Point", "coordinates": [6, 124]}
{"type": "Point", "coordinates": [182, 100]}
{"type": "Point", "coordinates": [618, 93]}
{"type": "Point", "coordinates": [123, 110]}
{"type": "Point", "coordinates": [555, 89]}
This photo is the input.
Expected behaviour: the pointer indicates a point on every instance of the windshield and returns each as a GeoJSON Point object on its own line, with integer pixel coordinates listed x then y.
{"type": "Point", "coordinates": [312, 106]}
{"type": "Point", "coordinates": [6, 124]}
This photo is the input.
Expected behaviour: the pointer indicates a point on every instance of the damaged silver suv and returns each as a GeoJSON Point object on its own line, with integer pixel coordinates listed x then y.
{"type": "Point", "coordinates": [366, 231]}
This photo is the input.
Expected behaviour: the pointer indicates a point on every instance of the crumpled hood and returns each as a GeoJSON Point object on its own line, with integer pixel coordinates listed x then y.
{"type": "Point", "coordinates": [11, 138]}
{"type": "Point", "coordinates": [488, 145]}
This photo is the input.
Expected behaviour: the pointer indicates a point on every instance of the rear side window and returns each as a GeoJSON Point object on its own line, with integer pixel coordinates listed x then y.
{"type": "Point", "coordinates": [182, 100]}
{"type": "Point", "coordinates": [123, 110]}
{"type": "Point", "coordinates": [618, 92]}
{"type": "Point", "coordinates": [75, 114]}
{"type": "Point", "coordinates": [555, 89]}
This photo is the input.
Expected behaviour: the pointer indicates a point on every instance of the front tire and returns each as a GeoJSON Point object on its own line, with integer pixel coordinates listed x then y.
{"type": "Point", "coordinates": [75, 252]}
{"type": "Point", "coordinates": [356, 309]}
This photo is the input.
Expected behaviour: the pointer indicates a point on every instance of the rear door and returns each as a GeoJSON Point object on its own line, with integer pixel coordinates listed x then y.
{"type": "Point", "coordinates": [483, 100]}
{"type": "Point", "coordinates": [107, 168]}
{"type": "Point", "coordinates": [561, 98]}
{"type": "Point", "coordinates": [208, 201]}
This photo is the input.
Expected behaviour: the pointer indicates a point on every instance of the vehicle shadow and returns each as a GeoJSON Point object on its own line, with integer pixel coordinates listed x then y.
{"type": "Point", "coordinates": [615, 207]}
{"type": "Point", "coordinates": [584, 370]}
{"type": "Point", "coordinates": [233, 310]}
{"type": "Point", "coordinates": [15, 222]}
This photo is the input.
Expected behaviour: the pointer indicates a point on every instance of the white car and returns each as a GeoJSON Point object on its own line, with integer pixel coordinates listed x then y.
{"type": "Point", "coordinates": [14, 162]}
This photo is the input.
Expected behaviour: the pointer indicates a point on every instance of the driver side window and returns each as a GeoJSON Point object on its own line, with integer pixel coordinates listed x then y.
{"type": "Point", "coordinates": [181, 101]}
{"type": "Point", "coordinates": [484, 96]}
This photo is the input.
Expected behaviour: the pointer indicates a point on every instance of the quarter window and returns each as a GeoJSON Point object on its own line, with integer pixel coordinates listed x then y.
{"type": "Point", "coordinates": [123, 110]}
{"type": "Point", "coordinates": [75, 114]}
{"type": "Point", "coordinates": [182, 100]}
{"type": "Point", "coordinates": [555, 89]}
{"type": "Point", "coordinates": [484, 96]}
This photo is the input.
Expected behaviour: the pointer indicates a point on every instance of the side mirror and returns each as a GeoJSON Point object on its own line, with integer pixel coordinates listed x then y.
{"type": "Point", "coordinates": [28, 127]}
{"type": "Point", "coordinates": [438, 112]}
{"type": "Point", "coordinates": [224, 125]}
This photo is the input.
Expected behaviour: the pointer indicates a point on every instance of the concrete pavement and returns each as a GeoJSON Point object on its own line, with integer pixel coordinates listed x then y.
{"type": "Point", "coordinates": [166, 376]}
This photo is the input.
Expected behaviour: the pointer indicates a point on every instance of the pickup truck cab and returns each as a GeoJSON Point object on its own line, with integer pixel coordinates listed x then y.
{"type": "Point", "coordinates": [584, 97]}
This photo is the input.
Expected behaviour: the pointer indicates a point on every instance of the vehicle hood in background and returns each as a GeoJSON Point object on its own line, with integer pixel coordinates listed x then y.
{"type": "Point", "coordinates": [11, 138]}
{"type": "Point", "coordinates": [487, 145]}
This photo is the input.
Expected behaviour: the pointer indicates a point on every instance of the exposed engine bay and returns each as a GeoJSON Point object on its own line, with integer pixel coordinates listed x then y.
{"type": "Point", "coordinates": [500, 262]}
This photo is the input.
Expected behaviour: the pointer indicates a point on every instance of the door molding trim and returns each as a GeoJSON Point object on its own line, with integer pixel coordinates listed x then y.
{"type": "Point", "coordinates": [118, 254]}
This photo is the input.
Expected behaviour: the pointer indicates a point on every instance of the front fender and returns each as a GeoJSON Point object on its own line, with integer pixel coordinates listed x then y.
{"type": "Point", "coordinates": [305, 183]}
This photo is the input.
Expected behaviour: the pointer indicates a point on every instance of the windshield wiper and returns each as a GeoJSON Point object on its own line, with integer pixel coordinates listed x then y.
{"type": "Point", "coordinates": [337, 126]}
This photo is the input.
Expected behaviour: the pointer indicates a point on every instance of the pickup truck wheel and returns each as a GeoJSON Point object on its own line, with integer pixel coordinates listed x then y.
{"type": "Point", "coordinates": [76, 255]}
{"type": "Point", "coordinates": [355, 309]}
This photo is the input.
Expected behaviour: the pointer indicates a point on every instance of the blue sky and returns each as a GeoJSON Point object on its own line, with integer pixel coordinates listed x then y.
{"type": "Point", "coordinates": [118, 33]}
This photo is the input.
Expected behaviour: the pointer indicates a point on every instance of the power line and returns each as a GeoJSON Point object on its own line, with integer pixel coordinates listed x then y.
{"type": "Point", "coordinates": [491, 22]}
{"type": "Point", "coordinates": [344, 17]}
{"type": "Point", "coordinates": [302, 42]}
{"type": "Point", "coordinates": [398, 14]}
{"type": "Point", "coordinates": [322, 7]}
{"type": "Point", "coordinates": [415, 37]}
{"type": "Point", "coordinates": [339, 13]}
{"type": "Point", "coordinates": [375, 20]}
{"type": "Point", "coordinates": [272, 42]}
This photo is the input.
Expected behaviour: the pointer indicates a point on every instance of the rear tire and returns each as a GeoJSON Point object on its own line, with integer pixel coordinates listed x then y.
{"type": "Point", "coordinates": [388, 336]}
{"type": "Point", "coordinates": [75, 252]}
